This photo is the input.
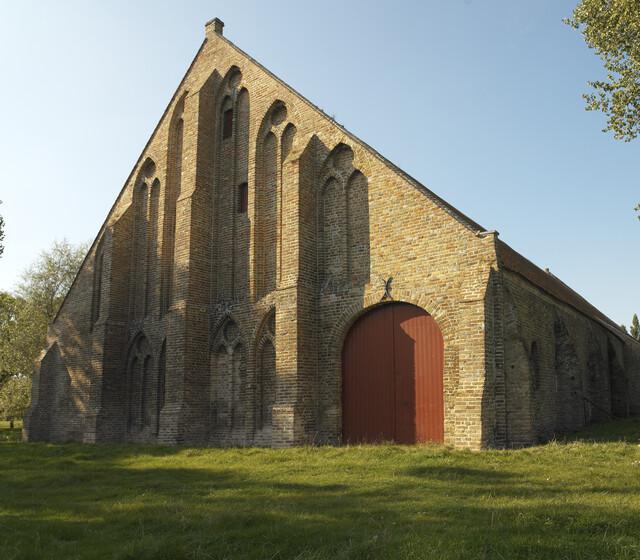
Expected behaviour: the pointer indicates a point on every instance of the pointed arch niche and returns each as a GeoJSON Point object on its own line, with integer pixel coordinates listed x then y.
{"type": "Point", "coordinates": [343, 223]}
{"type": "Point", "coordinates": [162, 384]}
{"type": "Point", "coordinates": [274, 143]}
{"type": "Point", "coordinates": [265, 395]}
{"type": "Point", "coordinates": [141, 389]}
{"type": "Point", "coordinates": [171, 194]}
{"type": "Point", "coordinates": [228, 382]}
{"type": "Point", "coordinates": [230, 278]}
{"type": "Point", "coordinates": [143, 247]}
{"type": "Point", "coordinates": [98, 272]}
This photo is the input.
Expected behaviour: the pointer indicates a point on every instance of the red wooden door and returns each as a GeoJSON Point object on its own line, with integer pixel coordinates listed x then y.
{"type": "Point", "coordinates": [392, 389]}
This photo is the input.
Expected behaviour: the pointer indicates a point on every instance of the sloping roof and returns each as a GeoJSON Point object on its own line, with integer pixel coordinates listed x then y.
{"type": "Point", "coordinates": [552, 285]}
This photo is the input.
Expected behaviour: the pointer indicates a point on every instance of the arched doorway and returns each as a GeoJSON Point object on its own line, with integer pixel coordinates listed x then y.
{"type": "Point", "coordinates": [392, 367]}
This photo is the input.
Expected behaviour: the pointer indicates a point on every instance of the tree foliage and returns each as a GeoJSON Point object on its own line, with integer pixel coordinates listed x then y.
{"type": "Point", "coordinates": [46, 282]}
{"type": "Point", "coordinates": [14, 397]}
{"type": "Point", "coordinates": [612, 29]}
{"type": "Point", "coordinates": [23, 332]}
{"type": "Point", "coordinates": [635, 327]}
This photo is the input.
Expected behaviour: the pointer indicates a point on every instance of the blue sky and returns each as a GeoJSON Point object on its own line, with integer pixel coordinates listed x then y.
{"type": "Point", "coordinates": [478, 100]}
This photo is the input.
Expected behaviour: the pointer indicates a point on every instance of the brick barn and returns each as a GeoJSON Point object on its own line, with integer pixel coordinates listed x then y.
{"type": "Point", "coordinates": [266, 278]}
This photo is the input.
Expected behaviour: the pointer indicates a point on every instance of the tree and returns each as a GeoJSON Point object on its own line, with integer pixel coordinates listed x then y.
{"type": "Point", "coordinates": [22, 335]}
{"type": "Point", "coordinates": [612, 29]}
{"type": "Point", "coordinates": [635, 327]}
{"type": "Point", "coordinates": [46, 282]}
{"type": "Point", "coordinates": [14, 398]}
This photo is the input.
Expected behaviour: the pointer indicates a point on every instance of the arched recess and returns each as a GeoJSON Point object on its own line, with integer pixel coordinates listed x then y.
{"type": "Point", "coordinates": [618, 383]}
{"type": "Point", "coordinates": [358, 236]}
{"type": "Point", "coordinates": [98, 271]}
{"type": "Point", "coordinates": [162, 383]}
{"type": "Point", "coordinates": [223, 222]}
{"type": "Point", "coordinates": [265, 396]}
{"type": "Point", "coordinates": [143, 230]}
{"type": "Point", "coordinates": [332, 234]}
{"type": "Point", "coordinates": [228, 380]}
{"type": "Point", "coordinates": [153, 257]}
{"type": "Point", "coordinates": [141, 387]}
{"type": "Point", "coordinates": [230, 247]}
{"type": "Point", "coordinates": [536, 389]}
{"type": "Point", "coordinates": [239, 197]}
{"type": "Point", "coordinates": [572, 410]}
{"type": "Point", "coordinates": [286, 142]}
{"type": "Point", "coordinates": [288, 137]}
{"type": "Point", "coordinates": [342, 222]}
{"type": "Point", "coordinates": [329, 411]}
{"type": "Point", "coordinates": [596, 378]}
{"type": "Point", "coordinates": [173, 185]}
{"type": "Point", "coordinates": [266, 216]}
{"type": "Point", "coordinates": [273, 143]}
{"type": "Point", "coordinates": [534, 358]}
{"type": "Point", "coordinates": [139, 253]}
{"type": "Point", "coordinates": [392, 377]}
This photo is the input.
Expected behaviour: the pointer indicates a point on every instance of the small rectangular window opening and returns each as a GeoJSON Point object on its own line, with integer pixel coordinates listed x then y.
{"type": "Point", "coordinates": [243, 198]}
{"type": "Point", "coordinates": [227, 124]}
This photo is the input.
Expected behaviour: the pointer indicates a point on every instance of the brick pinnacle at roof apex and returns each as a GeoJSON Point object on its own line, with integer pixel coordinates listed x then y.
{"type": "Point", "coordinates": [215, 25]}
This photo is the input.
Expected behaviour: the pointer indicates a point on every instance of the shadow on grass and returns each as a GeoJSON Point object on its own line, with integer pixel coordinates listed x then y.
{"type": "Point", "coordinates": [128, 502]}
{"type": "Point", "coordinates": [470, 475]}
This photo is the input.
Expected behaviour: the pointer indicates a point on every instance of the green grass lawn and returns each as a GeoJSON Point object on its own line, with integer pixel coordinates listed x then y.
{"type": "Point", "coordinates": [574, 499]}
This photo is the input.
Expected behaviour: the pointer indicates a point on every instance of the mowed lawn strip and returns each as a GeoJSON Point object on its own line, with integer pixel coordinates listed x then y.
{"type": "Point", "coordinates": [574, 499]}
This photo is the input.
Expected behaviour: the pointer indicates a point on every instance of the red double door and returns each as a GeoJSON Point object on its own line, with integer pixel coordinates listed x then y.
{"type": "Point", "coordinates": [392, 387]}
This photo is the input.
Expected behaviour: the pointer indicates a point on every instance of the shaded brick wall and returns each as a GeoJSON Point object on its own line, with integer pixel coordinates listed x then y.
{"type": "Point", "coordinates": [563, 370]}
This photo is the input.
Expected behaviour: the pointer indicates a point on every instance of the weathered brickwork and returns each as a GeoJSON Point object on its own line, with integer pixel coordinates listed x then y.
{"type": "Point", "coordinates": [253, 231]}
